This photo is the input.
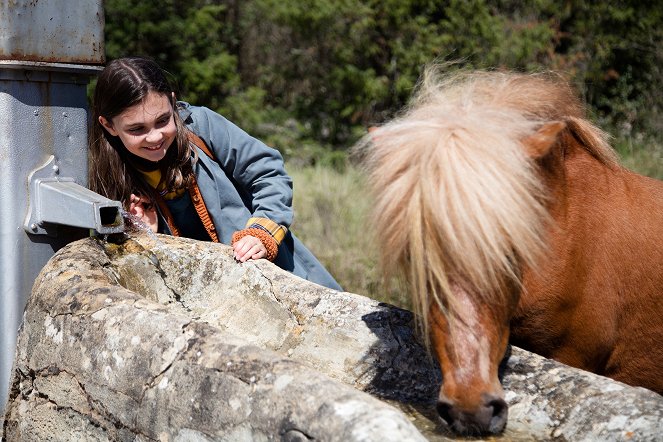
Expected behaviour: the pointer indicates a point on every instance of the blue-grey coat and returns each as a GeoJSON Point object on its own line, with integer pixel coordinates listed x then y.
{"type": "Point", "coordinates": [247, 179]}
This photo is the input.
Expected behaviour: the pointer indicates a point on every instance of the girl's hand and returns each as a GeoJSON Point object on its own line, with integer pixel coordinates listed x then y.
{"type": "Point", "coordinates": [141, 208]}
{"type": "Point", "coordinates": [249, 247]}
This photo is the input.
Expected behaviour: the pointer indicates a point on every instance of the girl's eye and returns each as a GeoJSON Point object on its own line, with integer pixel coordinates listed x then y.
{"type": "Point", "coordinates": [163, 121]}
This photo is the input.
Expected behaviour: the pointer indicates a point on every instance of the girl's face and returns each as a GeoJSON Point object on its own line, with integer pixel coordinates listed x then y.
{"type": "Point", "coordinates": [146, 129]}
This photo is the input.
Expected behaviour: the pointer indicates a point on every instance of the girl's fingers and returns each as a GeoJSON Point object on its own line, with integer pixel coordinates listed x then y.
{"type": "Point", "coordinates": [253, 252]}
{"type": "Point", "coordinates": [261, 251]}
{"type": "Point", "coordinates": [135, 205]}
{"type": "Point", "coordinates": [136, 210]}
{"type": "Point", "coordinates": [247, 248]}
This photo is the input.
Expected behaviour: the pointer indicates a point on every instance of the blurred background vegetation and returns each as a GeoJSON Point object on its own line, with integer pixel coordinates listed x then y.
{"type": "Point", "coordinates": [309, 76]}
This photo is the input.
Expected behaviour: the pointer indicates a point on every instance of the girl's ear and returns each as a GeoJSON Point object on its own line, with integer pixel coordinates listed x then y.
{"type": "Point", "coordinates": [107, 125]}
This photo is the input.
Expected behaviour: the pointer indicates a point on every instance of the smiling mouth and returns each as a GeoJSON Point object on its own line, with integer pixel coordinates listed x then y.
{"type": "Point", "coordinates": [153, 148]}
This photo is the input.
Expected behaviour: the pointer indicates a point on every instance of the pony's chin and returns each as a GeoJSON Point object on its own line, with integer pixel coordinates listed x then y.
{"type": "Point", "coordinates": [468, 427]}
{"type": "Point", "coordinates": [461, 429]}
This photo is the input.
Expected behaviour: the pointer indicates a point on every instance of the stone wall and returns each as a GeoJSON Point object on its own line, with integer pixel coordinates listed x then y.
{"type": "Point", "coordinates": [160, 338]}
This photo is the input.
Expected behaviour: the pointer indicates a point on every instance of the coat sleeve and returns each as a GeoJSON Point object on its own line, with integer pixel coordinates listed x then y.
{"type": "Point", "coordinates": [257, 170]}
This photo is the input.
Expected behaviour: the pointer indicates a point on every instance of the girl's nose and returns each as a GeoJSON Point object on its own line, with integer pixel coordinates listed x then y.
{"type": "Point", "coordinates": [154, 136]}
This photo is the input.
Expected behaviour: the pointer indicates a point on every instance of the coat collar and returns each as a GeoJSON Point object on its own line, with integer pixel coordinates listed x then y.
{"type": "Point", "coordinates": [183, 109]}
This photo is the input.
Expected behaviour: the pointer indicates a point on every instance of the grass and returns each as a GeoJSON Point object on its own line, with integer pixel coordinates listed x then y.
{"type": "Point", "coordinates": [331, 210]}
{"type": "Point", "coordinates": [642, 154]}
{"type": "Point", "coordinates": [331, 219]}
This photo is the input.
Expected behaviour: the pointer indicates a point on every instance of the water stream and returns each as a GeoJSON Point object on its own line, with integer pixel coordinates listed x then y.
{"type": "Point", "coordinates": [134, 224]}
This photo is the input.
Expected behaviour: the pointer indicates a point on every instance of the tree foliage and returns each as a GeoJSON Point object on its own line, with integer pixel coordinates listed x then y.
{"type": "Point", "coordinates": [307, 73]}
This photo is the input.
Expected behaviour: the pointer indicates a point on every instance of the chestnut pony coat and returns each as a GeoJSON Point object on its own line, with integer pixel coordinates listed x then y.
{"type": "Point", "coordinates": [511, 218]}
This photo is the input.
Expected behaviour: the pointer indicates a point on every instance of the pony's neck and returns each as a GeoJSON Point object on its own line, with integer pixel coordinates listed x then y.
{"type": "Point", "coordinates": [594, 208]}
{"type": "Point", "coordinates": [587, 192]}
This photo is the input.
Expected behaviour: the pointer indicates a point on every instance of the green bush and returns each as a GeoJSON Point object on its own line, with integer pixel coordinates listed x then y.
{"type": "Point", "coordinates": [309, 76]}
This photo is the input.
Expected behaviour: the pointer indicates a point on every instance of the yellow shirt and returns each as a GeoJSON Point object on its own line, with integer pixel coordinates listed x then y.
{"type": "Point", "coordinates": [153, 178]}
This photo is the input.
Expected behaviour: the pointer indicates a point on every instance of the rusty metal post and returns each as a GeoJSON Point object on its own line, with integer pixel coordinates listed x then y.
{"type": "Point", "coordinates": [48, 51]}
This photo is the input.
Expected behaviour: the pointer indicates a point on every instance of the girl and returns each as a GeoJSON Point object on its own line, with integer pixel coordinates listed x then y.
{"type": "Point", "coordinates": [187, 171]}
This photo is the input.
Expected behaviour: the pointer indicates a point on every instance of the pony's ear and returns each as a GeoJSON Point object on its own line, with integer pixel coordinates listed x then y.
{"type": "Point", "coordinates": [540, 143]}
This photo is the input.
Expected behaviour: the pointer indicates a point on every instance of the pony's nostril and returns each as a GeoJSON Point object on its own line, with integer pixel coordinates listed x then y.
{"type": "Point", "coordinates": [444, 410]}
{"type": "Point", "coordinates": [500, 411]}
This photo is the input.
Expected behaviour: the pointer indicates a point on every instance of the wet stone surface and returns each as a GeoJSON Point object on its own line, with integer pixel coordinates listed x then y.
{"type": "Point", "coordinates": [159, 338]}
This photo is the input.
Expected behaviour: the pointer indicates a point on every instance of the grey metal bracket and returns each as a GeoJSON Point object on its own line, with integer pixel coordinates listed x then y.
{"type": "Point", "coordinates": [59, 200]}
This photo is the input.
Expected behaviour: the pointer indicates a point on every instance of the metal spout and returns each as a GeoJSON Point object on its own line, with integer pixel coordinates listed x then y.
{"type": "Point", "coordinates": [59, 200]}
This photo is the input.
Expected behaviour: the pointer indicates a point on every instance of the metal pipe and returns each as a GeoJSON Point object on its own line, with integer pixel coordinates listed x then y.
{"type": "Point", "coordinates": [48, 51]}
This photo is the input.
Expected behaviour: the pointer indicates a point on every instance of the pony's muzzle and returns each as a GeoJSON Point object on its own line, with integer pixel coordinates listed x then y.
{"type": "Point", "coordinates": [489, 418]}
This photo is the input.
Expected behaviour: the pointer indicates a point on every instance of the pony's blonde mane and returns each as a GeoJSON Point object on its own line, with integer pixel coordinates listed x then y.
{"type": "Point", "coordinates": [456, 196]}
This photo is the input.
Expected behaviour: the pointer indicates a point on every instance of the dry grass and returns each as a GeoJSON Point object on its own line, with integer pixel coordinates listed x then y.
{"type": "Point", "coordinates": [330, 218]}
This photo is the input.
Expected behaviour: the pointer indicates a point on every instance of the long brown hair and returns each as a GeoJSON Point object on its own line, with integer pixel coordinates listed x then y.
{"type": "Point", "coordinates": [126, 82]}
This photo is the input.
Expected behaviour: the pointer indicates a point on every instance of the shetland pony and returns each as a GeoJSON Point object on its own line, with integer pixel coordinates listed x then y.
{"type": "Point", "coordinates": [511, 219]}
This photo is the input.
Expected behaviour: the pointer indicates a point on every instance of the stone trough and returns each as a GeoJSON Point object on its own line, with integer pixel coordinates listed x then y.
{"type": "Point", "coordinates": [160, 338]}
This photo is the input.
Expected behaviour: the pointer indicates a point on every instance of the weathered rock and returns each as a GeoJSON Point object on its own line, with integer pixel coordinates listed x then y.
{"type": "Point", "coordinates": [171, 339]}
{"type": "Point", "coordinates": [99, 362]}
